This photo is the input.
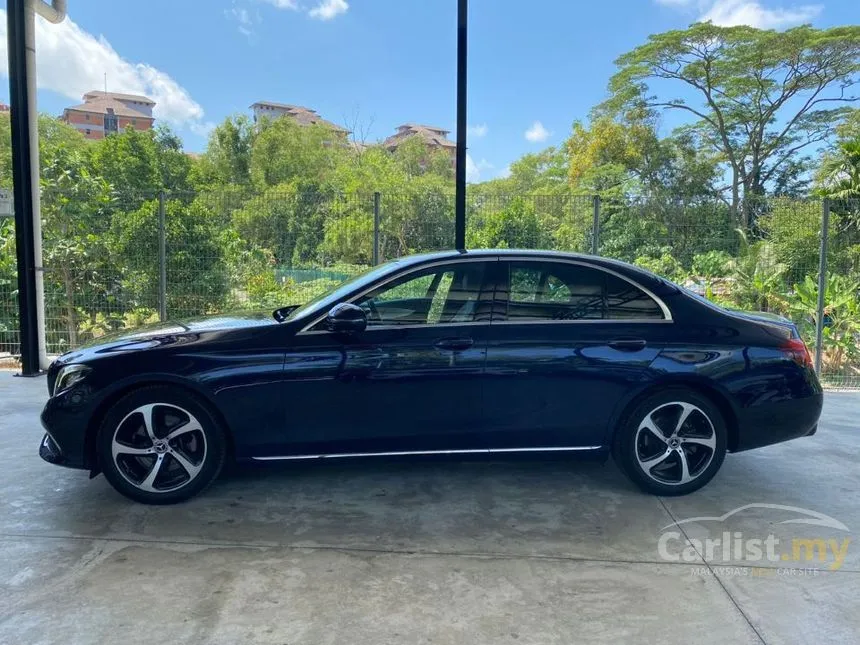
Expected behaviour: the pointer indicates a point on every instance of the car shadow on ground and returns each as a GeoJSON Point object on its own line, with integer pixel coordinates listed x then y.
{"type": "Point", "coordinates": [453, 474]}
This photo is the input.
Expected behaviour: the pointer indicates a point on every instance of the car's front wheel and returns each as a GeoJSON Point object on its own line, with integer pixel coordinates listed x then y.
{"type": "Point", "coordinates": [672, 443]}
{"type": "Point", "coordinates": [160, 445]}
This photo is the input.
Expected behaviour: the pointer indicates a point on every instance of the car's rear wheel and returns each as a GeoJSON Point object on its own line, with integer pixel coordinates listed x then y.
{"type": "Point", "coordinates": [672, 443]}
{"type": "Point", "coordinates": [160, 445]}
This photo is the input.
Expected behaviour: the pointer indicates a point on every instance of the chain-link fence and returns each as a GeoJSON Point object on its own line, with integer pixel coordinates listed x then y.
{"type": "Point", "coordinates": [140, 259]}
{"type": "Point", "coordinates": [9, 336]}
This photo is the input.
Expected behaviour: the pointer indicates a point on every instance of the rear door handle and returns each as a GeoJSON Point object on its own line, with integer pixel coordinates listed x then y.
{"type": "Point", "coordinates": [628, 344]}
{"type": "Point", "coordinates": [454, 344]}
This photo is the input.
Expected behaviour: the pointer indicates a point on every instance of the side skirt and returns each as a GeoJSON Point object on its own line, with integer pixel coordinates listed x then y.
{"type": "Point", "coordinates": [481, 451]}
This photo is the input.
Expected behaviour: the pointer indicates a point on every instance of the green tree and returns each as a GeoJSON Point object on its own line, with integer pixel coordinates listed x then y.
{"type": "Point", "coordinates": [839, 175]}
{"type": "Point", "coordinates": [129, 162]}
{"type": "Point", "coordinates": [516, 226]}
{"type": "Point", "coordinates": [80, 271]}
{"type": "Point", "coordinates": [756, 97]}
{"type": "Point", "coordinates": [416, 158]}
{"type": "Point", "coordinates": [284, 150]}
{"type": "Point", "coordinates": [197, 272]}
{"type": "Point", "coordinates": [227, 159]}
{"type": "Point", "coordinates": [173, 163]}
{"type": "Point", "coordinates": [612, 158]}
{"type": "Point", "coordinates": [545, 173]}
{"type": "Point", "coordinates": [286, 221]}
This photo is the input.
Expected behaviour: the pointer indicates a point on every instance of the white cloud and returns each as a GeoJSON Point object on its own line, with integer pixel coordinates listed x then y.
{"type": "Point", "coordinates": [203, 128]}
{"type": "Point", "coordinates": [71, 61]}
{"type": "Point", "coordinates": [537, 133]}
{"type": "Point", "coordinates": [729, 13]}
{"type": "Point", "coordinates": [324, 9]}
{"type": "Point", "coordinates": [504, 173]}
{"type": "Point", "coordinates": [242, 18]}
{"type": "Point", "coordinates": [478, 131]}
{"type": "Point", "coordinates": [328, 9]}
{"type": "Point", "coordinates": [474, 170]}
{"type": "Point", "coordinates": [283, 4]}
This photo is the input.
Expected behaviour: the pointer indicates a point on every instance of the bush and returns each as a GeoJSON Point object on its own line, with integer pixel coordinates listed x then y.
{"type": "Point", "coordinates": [713, 264]}
{"type": "Point", "coordinates": [841, 333]}
{"type": "Point", "coordinates": [664, 265]}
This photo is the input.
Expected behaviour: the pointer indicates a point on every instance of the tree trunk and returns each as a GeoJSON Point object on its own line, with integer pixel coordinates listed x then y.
{"type": "Point", "coordinates": [736, 199]}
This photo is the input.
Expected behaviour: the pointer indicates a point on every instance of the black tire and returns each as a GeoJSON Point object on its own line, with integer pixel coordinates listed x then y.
{"type": "Point", "coordinates": [202, 450]}
{"type": "Point", "coordinates": [702, 453]}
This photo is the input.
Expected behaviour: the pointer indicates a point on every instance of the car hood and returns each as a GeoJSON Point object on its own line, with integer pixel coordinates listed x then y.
{"type": "Point", "coordinates": [148, 336]}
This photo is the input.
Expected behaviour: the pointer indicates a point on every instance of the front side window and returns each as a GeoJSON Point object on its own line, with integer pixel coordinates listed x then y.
{"type": "Point", "coordinates": [441, 295]}
{"type": "Point", "coordinates": [547, 291]}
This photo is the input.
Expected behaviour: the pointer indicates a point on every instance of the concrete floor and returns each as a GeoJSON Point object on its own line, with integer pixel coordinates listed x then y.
{"type": "Point", "coordinates": [445, 552]}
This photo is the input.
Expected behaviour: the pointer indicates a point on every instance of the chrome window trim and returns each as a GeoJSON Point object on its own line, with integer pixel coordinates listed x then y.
{"type": "Point", "coordinates": [605, 321]}
{"type": "Point", "coordinates": [404, 453]}
{"type": "Point", "coordinates": [491, 258]}
{"type": "Point", "coordinates": [667, 314]}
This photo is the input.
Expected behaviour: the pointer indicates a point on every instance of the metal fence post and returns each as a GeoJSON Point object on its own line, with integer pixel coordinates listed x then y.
{"type": "Point", "coordinates": [822, 283]}
{"type": "Point", "coordinates": [595, 227]}
{"type": "Point", "coordinates": [162, 260]}
{"type": "Point", "coordinates": [376, 200]}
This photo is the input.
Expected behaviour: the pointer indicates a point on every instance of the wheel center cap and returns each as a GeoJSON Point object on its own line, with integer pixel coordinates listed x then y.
{"type": "Point", "coordinates": [160, 446]}
{"type": "Point", "coordinates": [674, 442]}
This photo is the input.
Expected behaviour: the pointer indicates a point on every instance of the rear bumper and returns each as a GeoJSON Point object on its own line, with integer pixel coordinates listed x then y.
{"type": "Point", "coordinates": [771, 423]}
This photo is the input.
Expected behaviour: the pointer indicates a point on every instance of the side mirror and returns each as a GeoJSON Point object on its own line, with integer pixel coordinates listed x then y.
{"type": "Point", "coordinates": [346, 318]}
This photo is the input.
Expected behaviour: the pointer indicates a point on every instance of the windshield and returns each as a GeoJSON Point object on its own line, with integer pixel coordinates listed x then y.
{"type": "Point", "coordinates": [332, 296]}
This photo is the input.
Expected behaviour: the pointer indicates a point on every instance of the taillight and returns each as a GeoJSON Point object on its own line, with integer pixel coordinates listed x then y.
{"type": "Point", "coordinates": [796, 349]}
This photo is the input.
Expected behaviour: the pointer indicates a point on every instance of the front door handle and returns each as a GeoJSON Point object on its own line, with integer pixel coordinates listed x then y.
{"type": "Point", "coordinates": [628, 344]}
{"type": "Point", "coordinates": [454, 344]}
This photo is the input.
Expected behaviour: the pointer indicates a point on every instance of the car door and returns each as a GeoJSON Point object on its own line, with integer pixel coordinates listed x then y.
{"type": "Point", "coordinates": [567, 341]}
{"type": "Point", "coordinates": [411, 382]}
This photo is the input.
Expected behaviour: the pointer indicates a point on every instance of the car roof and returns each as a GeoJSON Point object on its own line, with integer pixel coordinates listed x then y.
{"type": "Point", "coordinates": [649, 279]}
{"type": "Point", "coordinates": [536, 253]}
{"type": "Point", "coordinates": [451, 254]}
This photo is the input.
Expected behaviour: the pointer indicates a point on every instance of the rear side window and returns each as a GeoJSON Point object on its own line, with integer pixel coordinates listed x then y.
{"type": "Point", "coordinates": [562, 291]}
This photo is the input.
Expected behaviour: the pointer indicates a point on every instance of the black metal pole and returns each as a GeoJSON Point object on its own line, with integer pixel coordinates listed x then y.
{"type": "Point", "coordinates": [16, 15]}
{"type": "Point", "coordinates": [822, 284]}
{"type": "Point", "coordinates": [462, 58]}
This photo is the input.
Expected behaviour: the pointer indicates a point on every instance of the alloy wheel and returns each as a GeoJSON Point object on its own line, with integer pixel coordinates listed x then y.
{"type": "Point", "coordinates": [675, 443]}
{"type": "Point", "coordinates": [159, 447]}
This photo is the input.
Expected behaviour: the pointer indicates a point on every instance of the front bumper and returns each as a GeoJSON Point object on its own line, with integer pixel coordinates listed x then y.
{"type": "Point", "coordinates": [65, 419]}
{"type": "Point", "coordinates": [50, 451]}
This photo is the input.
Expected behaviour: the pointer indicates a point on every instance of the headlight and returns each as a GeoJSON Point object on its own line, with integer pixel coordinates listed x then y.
{"type": "Point", "coordinates": [69, 375]}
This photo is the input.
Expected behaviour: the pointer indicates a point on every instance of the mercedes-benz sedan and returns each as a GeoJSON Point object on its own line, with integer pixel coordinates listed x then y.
{"type": "Point", "coordinates": [478, 352]}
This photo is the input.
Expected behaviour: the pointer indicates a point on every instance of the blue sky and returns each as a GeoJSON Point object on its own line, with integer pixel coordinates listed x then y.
{"type": "Point", "coordinates": [535, 67]}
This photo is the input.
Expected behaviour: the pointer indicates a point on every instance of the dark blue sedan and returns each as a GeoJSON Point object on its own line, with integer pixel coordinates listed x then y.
{"type": "Point", "coordinates": [486, 352]}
